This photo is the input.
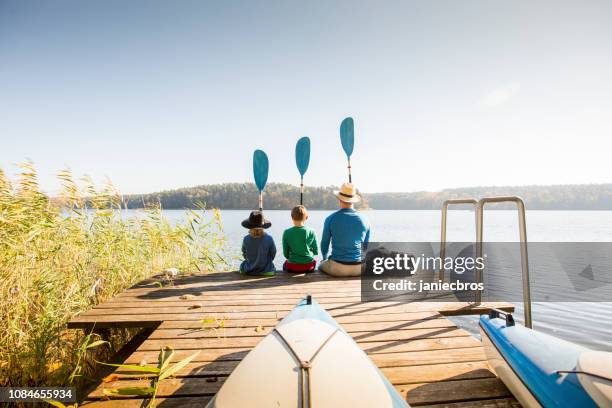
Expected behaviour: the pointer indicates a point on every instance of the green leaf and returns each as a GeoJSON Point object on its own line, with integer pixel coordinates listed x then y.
{"type": "Point", "coordinates": [141, 391]}
{"type": "Point", "coordinates": [55, 403]}
{"type": "Point", "coordinates": [165, 356]}
{"type": "Point", "coordinates": [175, 368]}
{"type": "Point", "coordinates": [96, 344]}
{"type": "Point", "coordinates": [133, 367]}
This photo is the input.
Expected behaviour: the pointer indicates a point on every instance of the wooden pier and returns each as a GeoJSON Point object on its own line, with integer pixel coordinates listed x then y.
{"type": "Point", "coordinates": [424, 355]}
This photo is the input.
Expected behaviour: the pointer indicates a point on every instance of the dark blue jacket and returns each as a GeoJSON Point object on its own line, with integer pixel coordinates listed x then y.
{"type": "Point", "coordinates": [258, 254]}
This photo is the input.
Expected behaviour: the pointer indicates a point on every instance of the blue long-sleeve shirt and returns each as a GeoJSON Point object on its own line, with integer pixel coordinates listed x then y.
{"type": "Point", "coordinates": [258, 254]}
{"type": "Point", "coordinates": [347, 230]}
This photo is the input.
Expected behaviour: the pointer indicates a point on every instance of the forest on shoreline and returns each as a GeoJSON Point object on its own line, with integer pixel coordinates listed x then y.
{"type": "Point", "coordinates": [281, 196]}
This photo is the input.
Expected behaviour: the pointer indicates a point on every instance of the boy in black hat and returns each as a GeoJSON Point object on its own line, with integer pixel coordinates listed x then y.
{"type": "Point", "coordinates": [258, 248]}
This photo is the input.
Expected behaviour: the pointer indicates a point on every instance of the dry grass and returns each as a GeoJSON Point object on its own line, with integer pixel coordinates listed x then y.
{"type": "Point", "coordinates": [56, 261]}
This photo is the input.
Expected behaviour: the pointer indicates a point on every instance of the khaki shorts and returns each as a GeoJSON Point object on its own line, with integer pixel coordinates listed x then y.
{"type": "Point", "coordinates": [333, 268]}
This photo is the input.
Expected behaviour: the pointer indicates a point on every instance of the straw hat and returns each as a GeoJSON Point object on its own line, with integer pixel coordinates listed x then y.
{"type": "Point", "coordinates": [347, 193]}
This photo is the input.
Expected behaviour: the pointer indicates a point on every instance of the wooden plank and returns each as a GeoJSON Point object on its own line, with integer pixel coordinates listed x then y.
{"type": "Point", "coordinates": [343, 320]}
{"type": "Point", "coordinates": [453, 391]}
{"type": "Point", "coordinates": [144, 307]}
{"type": "Point", "coordinates": [224, 354]}
{"type": "Point", "coordinates": [180, 402]}
{"type": "Point", "coordinates": [200, 314]}
{"type": "Point", "coordinates": [153, 319]}
{"type": "Point", "coordinates": [399, 368]}
{"type": "Point", "coordinates": [448, 308]}
{"type": "Point", "coordinates": [265, 326]}
{"type": "Point", "coordinates": [193, 384]}
{"type": "Point", "coordinates": [208, 355]}
{"type": "Point", "coordinates": [199, 402]}
{"type": "Point", "coordinates": [419, 345]}
{"type": "Point", "coordinates": [391, 360]}
{"type": "Point", "coordinates": [269, 285]}
{"type": "Point", "coordinates": [428, 357]}
{"type": "Point", "coordinates": [254, 295]}
{"type": "Point", "coordinates": [431, 392]}
{"type": "Point", "coordinates": [201, 369]}
{"type": "Point", "coordinates": [224, 301]}
{"type": "Point", "coordinates": [488, 403]}
{"type": "Point", "coordinates": [280, 290]}
{"type": "Point", "coordinates": [98, 315]}
{"type": "Point", "coordinates": [266, 304]}
{"type": "Point", "coordinates": [437, 372]}
{"type": "Point", "coordinates": [332, 308]}
{"type": "Point", "coordinates": [461, 309]}
{"type": "Point", "coordinates": [197, 307]}
{"type": "Point", "coordinates": [359, 337]}
{"type": "Point", "coordinates": [187, 386]}
{"type": "Point", "coordinates": [251, 290]}
{"type": "Point", "coordinates": [235, 276]}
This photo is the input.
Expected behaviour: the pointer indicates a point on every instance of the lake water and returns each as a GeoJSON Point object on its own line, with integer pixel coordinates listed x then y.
{"type": "Point", "coordinates": [587, 323]}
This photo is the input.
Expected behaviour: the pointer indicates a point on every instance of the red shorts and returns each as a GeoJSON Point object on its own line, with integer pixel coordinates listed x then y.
{"type": "Point", "coordinates": [299, 268]}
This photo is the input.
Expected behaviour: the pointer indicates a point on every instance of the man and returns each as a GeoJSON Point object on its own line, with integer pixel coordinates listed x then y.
{"type": "Point", "coordinates": [348, 231]}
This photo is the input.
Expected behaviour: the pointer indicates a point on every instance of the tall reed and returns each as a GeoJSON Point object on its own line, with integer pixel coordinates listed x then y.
{"type": "Point", "coordinates": [61, 256]}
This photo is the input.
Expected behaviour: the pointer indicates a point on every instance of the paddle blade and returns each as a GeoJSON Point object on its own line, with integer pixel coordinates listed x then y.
{"type": "Point", "coordinates": [347, 136]}
{"type": "Point", "coordinates": [260, 169]}
{"type": "Point", "coordinates": [302, 154]}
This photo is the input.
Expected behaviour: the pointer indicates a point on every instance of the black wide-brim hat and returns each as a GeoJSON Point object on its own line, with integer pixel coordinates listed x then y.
{"type": "Point", "coordinates": [256, 220]}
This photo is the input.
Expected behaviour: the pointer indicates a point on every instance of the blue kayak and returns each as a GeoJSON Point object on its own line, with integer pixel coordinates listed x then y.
{"type": "Point", "coordinates": [539, 369]}
{"type": "Point", "coordinates": [308, 360]}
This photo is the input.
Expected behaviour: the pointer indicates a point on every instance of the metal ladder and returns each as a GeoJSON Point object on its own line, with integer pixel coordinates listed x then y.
{"type": "Point", "coordinates": [479, 207]}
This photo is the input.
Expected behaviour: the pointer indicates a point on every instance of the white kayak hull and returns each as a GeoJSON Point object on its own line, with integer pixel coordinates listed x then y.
{"type": "Point", "coordinates": [307, 361]}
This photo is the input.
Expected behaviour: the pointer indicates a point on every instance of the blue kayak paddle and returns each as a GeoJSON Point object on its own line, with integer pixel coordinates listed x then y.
{"type": "Point", "coordinates": [260, 173]}
{"type": "Point", "coordinates": [347, 138]}
{"type": "Point", "coordinates": [302, 159]}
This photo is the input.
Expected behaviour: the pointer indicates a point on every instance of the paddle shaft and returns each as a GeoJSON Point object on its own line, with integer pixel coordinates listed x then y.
{"type": "Point", "coordinates": [260, 201]}
{"type": "Point", "coordinates": [302, 190]}
{"type": "Point", "coordinates": [349, 170]}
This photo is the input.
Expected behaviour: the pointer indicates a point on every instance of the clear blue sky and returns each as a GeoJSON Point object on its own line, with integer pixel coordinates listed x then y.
{"type": "Point", "coordinates": [158, 95]}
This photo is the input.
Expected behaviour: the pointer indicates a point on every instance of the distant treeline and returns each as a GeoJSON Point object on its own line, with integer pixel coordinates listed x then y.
{"type": "Point", "coordinates": [277, 196]}
{"type": "Point", "coordinates": [285, 196]}
{"type": "Point", "coordinates": [556, 197]}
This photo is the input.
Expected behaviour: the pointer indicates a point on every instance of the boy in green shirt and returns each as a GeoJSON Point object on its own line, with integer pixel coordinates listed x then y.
{"type": "Point", "coordinates": [299, 243]}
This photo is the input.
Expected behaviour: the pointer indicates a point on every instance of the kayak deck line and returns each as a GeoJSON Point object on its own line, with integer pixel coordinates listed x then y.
{"type": "Point", "coordinates": [305, 365]}
{"type": "Point", "coordinates": [426, 358]}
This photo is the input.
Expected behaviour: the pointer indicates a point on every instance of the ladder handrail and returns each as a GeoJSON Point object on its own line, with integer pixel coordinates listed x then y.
{"type": "Point", "coordinates": [443, 227]}
{"type": "Point", "coordinates": [520, 205]}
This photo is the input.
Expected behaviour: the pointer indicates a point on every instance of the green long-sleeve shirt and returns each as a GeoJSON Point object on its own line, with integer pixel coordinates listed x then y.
{"type": "Point", "coordinates": [300, 245]}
